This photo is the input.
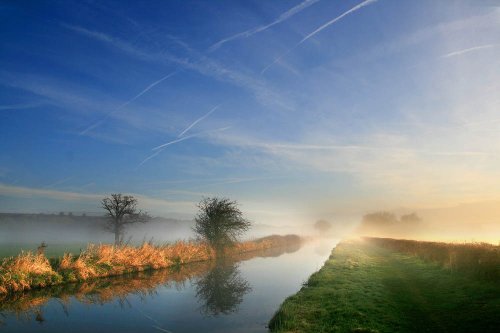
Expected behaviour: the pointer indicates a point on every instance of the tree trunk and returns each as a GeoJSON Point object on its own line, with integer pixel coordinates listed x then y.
{"type": "Point", "coordinates": [117, 235]}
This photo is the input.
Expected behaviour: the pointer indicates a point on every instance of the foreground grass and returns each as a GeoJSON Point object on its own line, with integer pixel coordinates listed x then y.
{"type": "Point", "coordinates": [364, 287]}
{"type": "Point", "coordinates": [28, 271]}
{"type": "Point", "coordinates": [478, 260]}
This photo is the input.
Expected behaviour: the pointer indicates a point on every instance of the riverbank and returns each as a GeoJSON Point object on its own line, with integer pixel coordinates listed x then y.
{"type": "Point", "coordinates": [368, 286]}
{"type": "Point", "coordinates": [105, 290]}
{"type": "Point", "coordinates": [31, 271]}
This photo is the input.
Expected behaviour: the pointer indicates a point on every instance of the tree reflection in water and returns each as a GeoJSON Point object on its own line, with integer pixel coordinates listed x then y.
{"type": "Point", "coordinates": [222, 289]}
{"type": "Point", "coordinates": [219, 287]}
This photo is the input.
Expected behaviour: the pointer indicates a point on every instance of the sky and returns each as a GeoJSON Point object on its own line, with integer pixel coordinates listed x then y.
{"type": "Point", "coordinates": [296, 109]}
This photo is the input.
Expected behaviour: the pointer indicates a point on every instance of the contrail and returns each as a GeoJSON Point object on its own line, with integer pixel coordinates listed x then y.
{"type": "Point", "coordinates": [283, 17]}
{"type": "Point", "coordinates": [341, 16]}
{"type": "Point", "coordinates": [160, 148]}
{"type": "Point", "coordinates": [191, 136]}
{"type": "Point", "coordinates": [198, 120]}
{"type": "Point", "coordinates": [148, 88]}
{"type": "Point", "coordinates": [352, 10]}
{"type": "Point", "coordinates": [174, 141]}
{"type": "Point", "coordinates": [96, 124]}
{"type": "Point", "coordinates": [148, 158]}
{"type": "Point", "coordinates": [475, 48]}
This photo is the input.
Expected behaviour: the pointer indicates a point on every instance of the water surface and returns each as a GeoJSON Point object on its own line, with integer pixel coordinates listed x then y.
{"type": "Point", "coordinates": [232, 295]}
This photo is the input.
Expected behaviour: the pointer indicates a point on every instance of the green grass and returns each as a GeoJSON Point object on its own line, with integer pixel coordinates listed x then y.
{"type": "Point", "coordinates": [479, 260]}
{"type": "Point", "coordinates": [367, 288]}
{"type": "Point", "coordinates": [52, 250]}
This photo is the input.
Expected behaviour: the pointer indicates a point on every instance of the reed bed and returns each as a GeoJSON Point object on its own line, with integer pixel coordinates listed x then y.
{"type": "Point", "coordinates": [143, 283]}
{"type": "Point", "coordinates": [478, 259]}
{"type": "Point", "coordinates": [27, 270]}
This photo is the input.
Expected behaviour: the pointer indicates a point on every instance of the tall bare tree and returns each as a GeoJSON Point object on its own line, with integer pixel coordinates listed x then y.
{"type": "Point", "coordinates": [121, 210]}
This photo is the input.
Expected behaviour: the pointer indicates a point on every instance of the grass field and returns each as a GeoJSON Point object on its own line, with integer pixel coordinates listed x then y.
{"type": "Point", "coordinates": [365, 287]}
{"type": "Point", "coordinates": [52, 250]}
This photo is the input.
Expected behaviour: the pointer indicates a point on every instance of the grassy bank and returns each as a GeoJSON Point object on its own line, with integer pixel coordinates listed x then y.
{"type": "Point", "coordinates": [105, 290]}
{"type": "Point", "coordinates": [28, 271]}
{"type": "Point", "coordinates": [367, 287]}
{"type": "Point", "coordinates": [479, 260]}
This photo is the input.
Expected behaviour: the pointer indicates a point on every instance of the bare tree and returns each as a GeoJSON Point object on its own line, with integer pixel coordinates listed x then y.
{"type": "Point", "coordinates": [220, 222]}
{"type": "Point", "coordinates": [122, 211]}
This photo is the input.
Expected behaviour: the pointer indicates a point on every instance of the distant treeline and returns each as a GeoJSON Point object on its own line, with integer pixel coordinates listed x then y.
{"type": "Point", "coordinates": [480, 260]}
{"type": "Point", "coordinates": [383, 224]}
{"type": "Point", "coordinates": [62, 216]}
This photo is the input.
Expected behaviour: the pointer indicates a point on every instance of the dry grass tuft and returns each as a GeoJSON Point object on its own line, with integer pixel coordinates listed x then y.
{"type": "Point", "coordinates": [25, 271]}
{"type": "Point", "coordinates": [28, 271]}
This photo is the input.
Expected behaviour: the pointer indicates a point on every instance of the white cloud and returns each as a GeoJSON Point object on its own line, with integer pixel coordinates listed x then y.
{"type": "Point", "coordinates": [152, 204]}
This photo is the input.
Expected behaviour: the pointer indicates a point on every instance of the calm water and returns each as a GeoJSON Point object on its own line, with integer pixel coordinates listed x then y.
{"type": "Point", "coordinates": [228, 296]}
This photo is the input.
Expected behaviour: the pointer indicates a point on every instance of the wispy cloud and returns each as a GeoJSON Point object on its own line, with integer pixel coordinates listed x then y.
{"type": "Point", "coordinates": [59, 182]}
{"type": "Point", "coordinates": [470, 49]}
{"type": "Point", "coordinates": [54, 92]}
{"type": "Point", "coordinates": [200, 63]}
{"type": "Point", "coordinates": [210, 181]}
{"type": "Point", "coordinates": [198, 120]}
{"type": "Point", "coordinates": [283, 17]}
{"type": "Point", "coordinates": [147, 201]}
{"type": "Point", "coordinates": [4, 171]}
{"type": "Point", "coordinates": [324, 26]}
{"type": "Point", "coordinates": [110, 40]}
{"type": "Point", "coordinates": [237, 180]}
{"type": "Point", "coordinates": [379, 163]}
{"type": "Point", "coordinates": [20, 106]}
{"type": "Point", "coordinates": [18, 191]}
{"type": "Point", "coordinates": [276, 147]}
{"type": "Point", "coordinates": [149, 87]}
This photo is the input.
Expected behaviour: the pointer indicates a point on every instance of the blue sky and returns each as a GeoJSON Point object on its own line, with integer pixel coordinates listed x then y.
{"type": "Point", "coordinates": [297, 109]}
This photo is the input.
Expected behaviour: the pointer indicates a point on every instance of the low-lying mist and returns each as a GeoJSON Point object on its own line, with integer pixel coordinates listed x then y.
{"type": "Point", "coordinates": [476, 222]}
{"type": "Point", "coordinates": [473, 222]}
{"type": "Point", "coordinates": [30, 230]}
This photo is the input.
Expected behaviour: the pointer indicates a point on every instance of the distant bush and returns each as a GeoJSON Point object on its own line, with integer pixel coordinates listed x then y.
{"type": "Point", "coordinates": [481, 260]}
{"type": "Point", "coordinates": [322, 226]}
